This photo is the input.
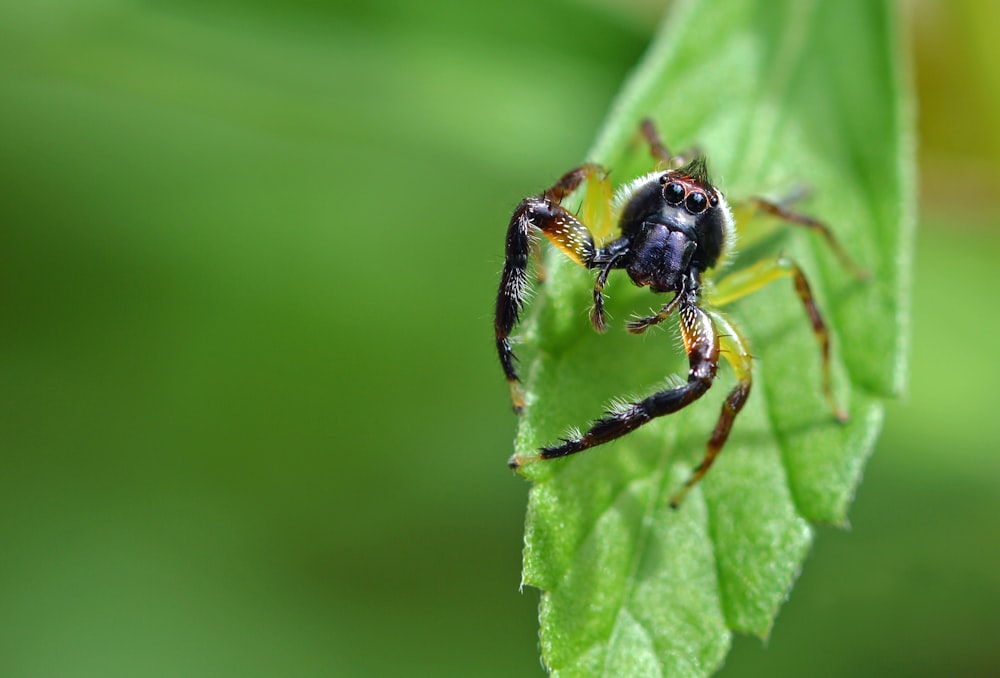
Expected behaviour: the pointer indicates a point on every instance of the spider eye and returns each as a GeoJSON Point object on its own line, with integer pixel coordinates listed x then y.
{"type": "Point", "coordinates": [673, 193]}
{"type": "Point", "coordinates": [696, 202]}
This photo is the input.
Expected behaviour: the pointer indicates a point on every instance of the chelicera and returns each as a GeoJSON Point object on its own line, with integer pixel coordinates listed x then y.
{"type": "Point", "coordinates": [674, 226]}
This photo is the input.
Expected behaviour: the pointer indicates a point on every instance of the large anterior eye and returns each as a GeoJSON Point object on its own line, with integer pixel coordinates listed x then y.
{"type": "Point", "coordinates": [696, 202]}
{"type": "Point", "coordinates": [673, 193]}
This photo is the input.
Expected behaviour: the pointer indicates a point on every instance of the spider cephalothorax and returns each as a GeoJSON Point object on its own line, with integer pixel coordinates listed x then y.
{"type": "Point", "coordinates": [674, 225]}
{"type": "Point", "coordinates": [677, 225]}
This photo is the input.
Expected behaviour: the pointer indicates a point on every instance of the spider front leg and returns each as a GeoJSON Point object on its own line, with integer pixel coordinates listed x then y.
{"type": "Point", "coordinates": [565, 231]}
{"type": "Point", "coordinates": [737, 354]}
{"type": "Point", "coordinates": [701, 342]}
{"type": "Point", "coordinates": [746, 281]}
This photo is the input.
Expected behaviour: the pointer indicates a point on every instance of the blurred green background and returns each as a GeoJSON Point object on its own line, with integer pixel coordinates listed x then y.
{"type": "Point", "coordinates": [252, 423]}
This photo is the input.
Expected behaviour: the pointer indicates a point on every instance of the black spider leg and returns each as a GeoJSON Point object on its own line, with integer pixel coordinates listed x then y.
{"type": "Point", "coordinates": [566, 232]}
{"type": "Point", "coordinates": [659, 150]}
{"type": "Point", "coordinates": [781, 211]}
{"type": "Point", "coordinates": [701, 341]}
{"type": "Point", "coordinates": [736, 352]}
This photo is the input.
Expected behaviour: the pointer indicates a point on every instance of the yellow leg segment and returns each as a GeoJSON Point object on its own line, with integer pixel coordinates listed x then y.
{"type": "Point", "coordinates": [748, 280]}
{"type": "Point", "coordinates": [733, 348]}
{"type": "Point", "coordinates": [597, 207]}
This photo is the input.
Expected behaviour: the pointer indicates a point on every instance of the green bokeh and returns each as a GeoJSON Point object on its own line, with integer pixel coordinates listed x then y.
{"type": "Point", "coordinates": [252, 422]}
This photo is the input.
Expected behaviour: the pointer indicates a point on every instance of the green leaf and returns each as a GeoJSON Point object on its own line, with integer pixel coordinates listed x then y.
{"type": "Point", "coordinates": [778, 94]}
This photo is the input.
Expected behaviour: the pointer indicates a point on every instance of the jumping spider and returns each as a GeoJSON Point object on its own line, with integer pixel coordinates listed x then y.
{"type": "Point", "coordinates": [674, 226]}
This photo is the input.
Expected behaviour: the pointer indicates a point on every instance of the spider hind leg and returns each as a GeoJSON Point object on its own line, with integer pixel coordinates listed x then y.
{"type": "Point", "coordinates": [782, 211]}
{"type": "Point", "coordinates": [659, 150]}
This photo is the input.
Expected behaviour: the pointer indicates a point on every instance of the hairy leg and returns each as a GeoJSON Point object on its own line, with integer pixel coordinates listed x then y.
{"type": "Point", "coordinates": [734, 348]}
{"type": "Point", "coordinates": [701, 343]}
{"type": "Point", "coordinates": [565, 231]}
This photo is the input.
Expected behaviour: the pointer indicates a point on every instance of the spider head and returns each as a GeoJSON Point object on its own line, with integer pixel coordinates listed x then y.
{"type": "Point", "coordinates": [678, 223]}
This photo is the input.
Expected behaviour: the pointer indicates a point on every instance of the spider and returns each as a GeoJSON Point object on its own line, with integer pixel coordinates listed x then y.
{"type": "Point", "coordinates": [674, 226]}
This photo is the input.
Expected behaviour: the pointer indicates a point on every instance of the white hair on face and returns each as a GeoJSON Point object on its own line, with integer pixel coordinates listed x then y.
{"type": "Point", "coordinates": [626, 191]}
{"type": "Point", "coordinates": [728, 231]}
